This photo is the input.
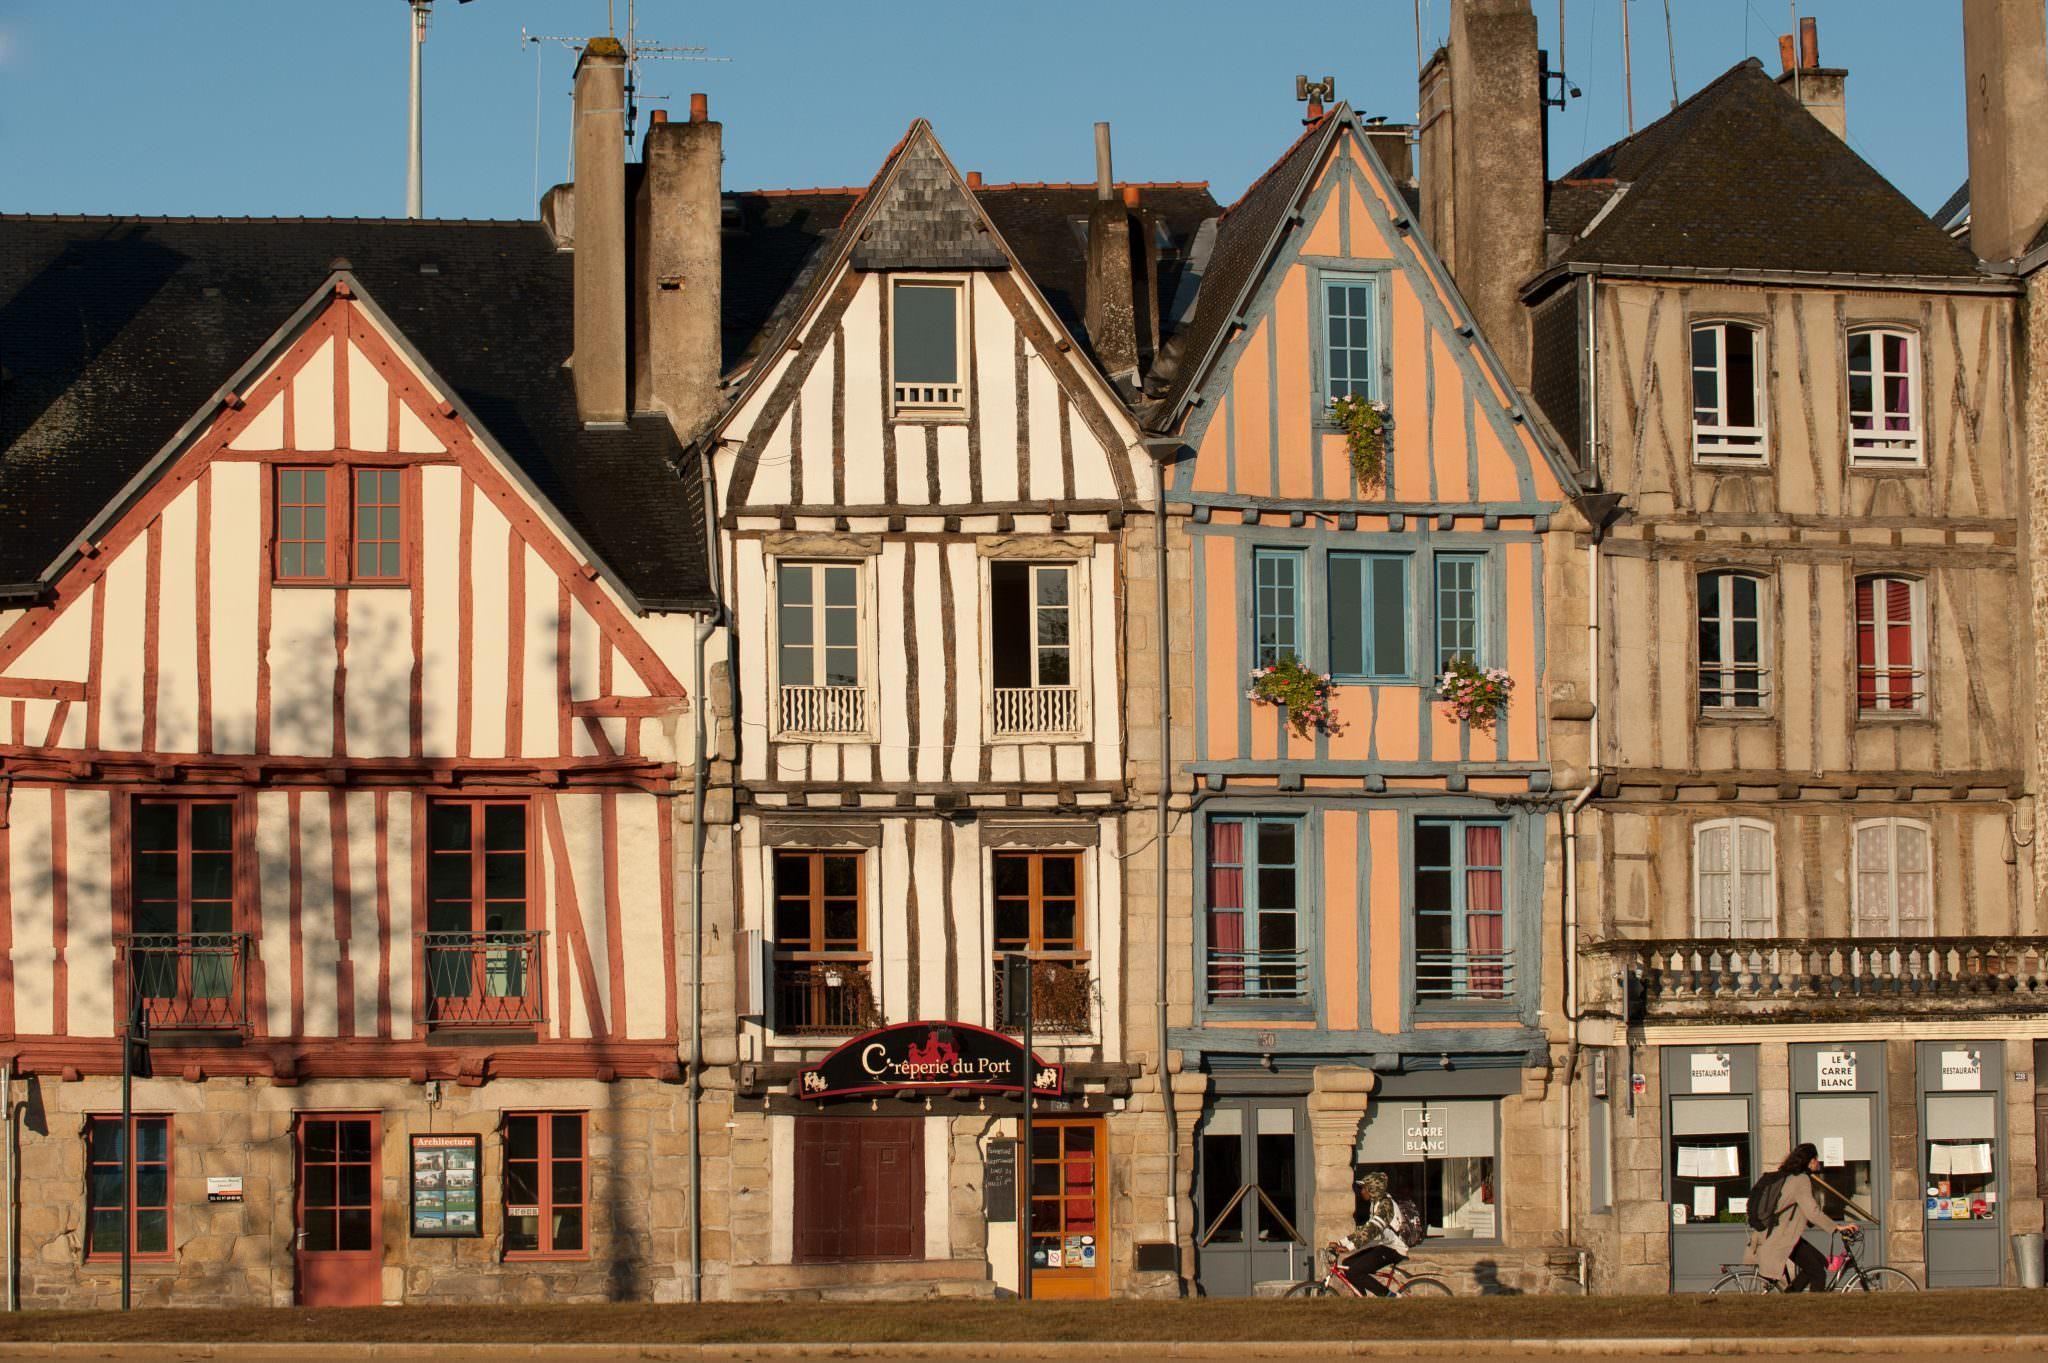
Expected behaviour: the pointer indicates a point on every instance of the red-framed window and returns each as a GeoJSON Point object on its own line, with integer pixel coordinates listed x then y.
{"type": "Point", "coordinates": [338, 524]}
{"type": "Point", "coordinates": [149, 1216]}
{"type": "Point", "coordinates": [184, 952]}
{"type": "Point", "coordinates": [482, 961]}
{"type": "Point", "coordinates": [1891, 645]}
{"type": "Point", "coordinates": [547, 1185]}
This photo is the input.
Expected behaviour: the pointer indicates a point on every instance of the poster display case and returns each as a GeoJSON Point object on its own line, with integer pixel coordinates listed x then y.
{"type": "Point", "coordinates": [446, 1177]}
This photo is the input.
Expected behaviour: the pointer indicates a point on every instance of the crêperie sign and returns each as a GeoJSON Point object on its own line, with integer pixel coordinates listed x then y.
{"type": "Point", "coordinates": [913, 1057]}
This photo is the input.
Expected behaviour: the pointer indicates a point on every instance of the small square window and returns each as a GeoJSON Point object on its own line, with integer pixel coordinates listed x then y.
{"type": "Point", "coordinates": [338, 524]}
{"type": "Point", "coordinates": [303, 533]}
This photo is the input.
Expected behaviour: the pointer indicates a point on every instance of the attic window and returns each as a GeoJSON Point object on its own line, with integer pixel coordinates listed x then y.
{"type": "Point", "coordinates": [928, 356]}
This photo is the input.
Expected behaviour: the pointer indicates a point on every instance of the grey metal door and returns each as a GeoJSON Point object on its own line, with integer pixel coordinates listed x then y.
{"type": "Point", "coordinates": [1254, 1185]}
{"type": "Point", "coordinates": [1710, 1158]}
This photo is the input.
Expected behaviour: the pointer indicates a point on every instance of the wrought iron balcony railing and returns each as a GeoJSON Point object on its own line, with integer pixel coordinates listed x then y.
{"type": "Point", "coordinates": [1062, 998]}
{"type": "Point", "coordinates": [824, 997]}
{"type": "Point", "coordinates": [486, 979]}
{"type": "Point", "coordinates": [190, 981]}
{"type": "Point", "coordinates": [1464, 976]}
{"type": "Point", "coordinates": [1257, 976]}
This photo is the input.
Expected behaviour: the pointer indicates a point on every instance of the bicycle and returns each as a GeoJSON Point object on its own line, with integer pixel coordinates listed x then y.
{"type": "Point", "coordinates": [1844, 1275]}
{"type": "Point", "coordinates": [1334, 1281]}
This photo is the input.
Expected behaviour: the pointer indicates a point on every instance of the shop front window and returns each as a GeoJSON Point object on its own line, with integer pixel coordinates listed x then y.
{"type": "Point", "coordinates": [1839, 1127]}
{"type": "Point", "coordinates": [1440, 1156]}
{"type": "Point", "coordinates": [1962, 1163]}
{"type": "Point", "coordinates": [1709, 1161]}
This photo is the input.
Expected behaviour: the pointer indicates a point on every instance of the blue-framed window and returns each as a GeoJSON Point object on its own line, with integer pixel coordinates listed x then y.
{"type": "Point", "coordinates": [1460, 601]}
{"type": "Point", "coordinates": [1351, 336]}
{"type": "Point", "coordinates": [1276, 590]}
{"type": "Point", "coordinates": [1256, 942]}
{"type": "Point", "coordinates": [1369, 615]}
{"type": "Point", "coordinates": [1460, 898]}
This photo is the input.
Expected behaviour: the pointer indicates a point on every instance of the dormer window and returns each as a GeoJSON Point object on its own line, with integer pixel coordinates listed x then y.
{"type": "Point", "coordinates": [1727, 393]}
{"type": "Point", "coordinates": [927, 329]}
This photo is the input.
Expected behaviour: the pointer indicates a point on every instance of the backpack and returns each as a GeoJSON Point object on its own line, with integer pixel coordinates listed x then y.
{"type": "Point", "coordinates": [1763, 1200]}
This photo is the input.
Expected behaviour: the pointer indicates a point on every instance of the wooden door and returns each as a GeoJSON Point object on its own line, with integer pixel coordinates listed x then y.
{"type": "Point", "coordinates": [340, 1240]}
{"type": "Point", "coordinates": [1067, 1235]}
{"type": "Point", "coordinates": [859, 1188]}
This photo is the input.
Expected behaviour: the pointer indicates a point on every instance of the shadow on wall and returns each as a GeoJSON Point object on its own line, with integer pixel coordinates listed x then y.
{"type": "Point", "coordinates": [1486, 1274]}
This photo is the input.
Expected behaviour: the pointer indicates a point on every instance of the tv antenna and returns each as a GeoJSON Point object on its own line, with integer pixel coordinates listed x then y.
{"type": "Point", "coordinates": [415, 141]}
{"type": "Point", "coordinates": [636, 52]}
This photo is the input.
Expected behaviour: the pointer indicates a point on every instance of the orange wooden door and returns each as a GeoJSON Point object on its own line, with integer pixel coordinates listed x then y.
{"type": "Point", "coordinates": [340, 1241]}
{"type": "Point", "coordinates": [1067, 1235]}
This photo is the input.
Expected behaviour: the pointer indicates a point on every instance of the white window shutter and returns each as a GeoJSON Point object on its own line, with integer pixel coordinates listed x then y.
{"type": "Point", "coordinates": [1756, 907]}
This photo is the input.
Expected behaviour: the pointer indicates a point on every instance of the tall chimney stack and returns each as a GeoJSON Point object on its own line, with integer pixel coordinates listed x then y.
{"type": "Point", "coordinates": [1482, 165]}
{"type": "Point", "coordinates": [1110, 314]}
{"type": "Point", "coordinates": [677, 216]}
{"type": "Point", "coordinates": [1823, 90]}
{"type": "Point", "coordinates": [599, 366]}
{"type": "Point", "coordinates": [2005, 74]}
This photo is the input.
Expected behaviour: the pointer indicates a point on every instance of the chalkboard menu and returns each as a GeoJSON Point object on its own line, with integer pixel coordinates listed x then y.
{"type": "Point", "coordinates": [999, 1181]}
{"type": "Point", "coordinates": [446, 1196]}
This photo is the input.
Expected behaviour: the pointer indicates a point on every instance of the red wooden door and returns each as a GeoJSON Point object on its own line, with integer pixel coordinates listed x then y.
{"type": "Point", "coordinates": [340, 1241]}
{"type": "Point", "coordinates": [859, 1188]}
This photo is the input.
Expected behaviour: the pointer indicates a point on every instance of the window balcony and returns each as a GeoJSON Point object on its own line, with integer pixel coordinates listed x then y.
{"type": "Point", "coordinates": [1257, 976]}
{"type": "Point", "coordinates": [1819, 978]}
{"type": "Point", "coordinates": [191, 981]}
{"type": "Point", "coordinates": [824, 998]}
{"type": "Point", "coordinates": [486, 979]}
{"type": "Point", "coordinates": [1464, 976]}
{"type": "Point", "coordinates": [1062, 996]}
{"type": "Point", "coordinates": [1034, 711]}
{"type": "Point", "coordinates": [930, 399]}
{"type": "Point", "coordinates": [824, 710]}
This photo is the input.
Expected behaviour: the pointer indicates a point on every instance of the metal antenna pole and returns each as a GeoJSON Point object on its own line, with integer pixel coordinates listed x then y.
{"type": "Point", "coordinates": [1628, 76]}
{"type": "Point", "coordinates": [414, 142]}
{"type": "Point", "coordinates": [1671, 50]}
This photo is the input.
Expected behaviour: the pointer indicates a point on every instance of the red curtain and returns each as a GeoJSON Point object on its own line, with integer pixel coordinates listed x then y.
{"type": "Point", "coordinates": [1484, 912]}
{"type": "Point", "coordinates": [1226, 909]}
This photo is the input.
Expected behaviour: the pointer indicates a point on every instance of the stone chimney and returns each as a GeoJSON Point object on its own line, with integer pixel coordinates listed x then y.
{"type": "Point", "coordinates": [677, 351]}
{"type": "Point", "coordinates": [1824, 90]}
{"type": "Point", "coordinates": [1482, 171]}
{"type": "Point", "coordinates": [1110, 314]}
{"type": "Point", "coordinates": [599, 364]}
{"type": "Point", "coordinates": [2005, 74]}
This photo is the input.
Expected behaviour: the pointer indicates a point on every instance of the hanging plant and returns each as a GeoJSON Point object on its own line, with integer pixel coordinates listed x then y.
{"type": "Point", "coordinates": [1290, 684]}
{"type": "Point", "coordinates": [1364, 423]}
{"type": "Point", "coordinates": [1475, 694]}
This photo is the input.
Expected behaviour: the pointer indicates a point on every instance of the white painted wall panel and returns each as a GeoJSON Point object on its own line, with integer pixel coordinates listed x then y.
{"type": "Point", "coordinates": [489, 535]}
{"type": "Point", "coordinates": [274, 903]}
{"type": "Point", "coordinates": [177, 689]}
{"type": "Point", "coordinates": [89, 916]}
{"type": "Point", "coordinates": [964, 565]}
{"type": "Point", "coordinates": [361, 816]}
{"type": "Point", "coordinates": [1047, 480]}
{"type": "Point", "coordinates": [889, 928]}
{"type": "Point", "coordinates": [954, 484]}
{"type": "Point", "coordinates": [439, 588]}
{"type": "Point", "coordinates": [126, 585]}
{"type": "Point", "coordinates": [772, 471]}
{"type": "Point", "coordinates": [640, 875]}
{"type": "Point", "coordinates": [378, 698]}
{"type": "Point", "coordinates": [265, 430]}
{"type": "Point", "coordinates": [313, 401]}
{"type": "Point", "coordinates": [913, 474]}
{"type": "Point", "coordinates": [542, 708]}
{"type": "Point", "coordinates": [816, 453]}
{"type": "Point", "coordinates": [413, 435]}
{"type": "Point", "coordinates": [863, 329]}
{"type": "Point", "coordinates": [752, 602]}
{"type": "Point", "coordinates": [583, 834]}
{"type": "Point", "coordinates": [404, 929]}
{"type": "Point", "coordinates": [28, 889]}
{"type": "Point", "coordinates": [63, 652]}
{"type": "Point", "coordinates": [302, 672]}
{"type": "Point", "coordinates": [317, 938]}
{"type": "Point", "coordinates": [891, 625]}
{"type": "Point", "coordinates": [995, 400]}
{"type": "Point", "coordinates": [368, 403]}
{"type": "Point", "coordinates": [237, 570]}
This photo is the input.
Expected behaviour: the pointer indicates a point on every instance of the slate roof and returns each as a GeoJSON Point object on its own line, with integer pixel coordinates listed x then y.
{"type": "Point", "coordinates": [114, 332]}
{"type": "Point", "coordinates": [1740, 177]}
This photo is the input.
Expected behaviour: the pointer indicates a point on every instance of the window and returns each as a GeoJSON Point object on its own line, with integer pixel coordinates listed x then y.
{"type": "Point", "coordinates": [1709, 1153]}
{"type": "Point", "coordinates": [1369, 615]}
{"type": "Point", "coordinates": [1962, 1135]}
{"type": "Point", "coordinates": [1735, 884]}
{"type": "Point", "coordinates": [1351, 350]}
{"type": "Point", "coordinates": [1038, 908]}
{"type": "Point", "coordinates": [1460, 911]}
{"type": "Point", "coordinates": [1276, 588]}
{"type": "Point", "coordinates": [546, 1185]}
{"type": "Point", "coordinates": [1890, 645]}
{"type": "Point", "coordinates": [818, 625]}
{"type": "Point", "coordinates": [337, 524]}
{"type": "Point", "coordinates": [1733, 670]}
{"type": "Point", "coordinates": [1458, 601]}
{"type": "Point", "coordinates": [150, 1216]}
{"type": "Point", "coordinates": [1255, 946]}
{"type": "Point", "coordinates": [183, 949]}
{"type": "Point", "coordinates": [1441, 1156]}
{"type": "Point", "coordinates": [925, 332]}
{"type": "Point", "coordinates": [480, 958]}
{"type": "Point", "coordinates": [1894, 879]}
{"type": "Point", "coordinates": [821, 963]}
{"type": "Point", "coordinates": [1031, 648]}
{"type": "Point", "coordinates": [1884, 396]}
{"type": "Point", "coordinates": [1727, 391]}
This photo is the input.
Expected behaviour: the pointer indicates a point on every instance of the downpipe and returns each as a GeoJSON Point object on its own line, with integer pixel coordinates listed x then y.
{"type": "Point", "coordinates": [1160, 841]}
{"type": "Point", "coordinates": [707, 625]}
{"type": "Point", "coordinates": [1571, 902]}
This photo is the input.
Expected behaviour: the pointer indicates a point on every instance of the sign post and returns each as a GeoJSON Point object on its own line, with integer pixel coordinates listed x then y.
{"type": "Point", "coordinates": [1020, 966]}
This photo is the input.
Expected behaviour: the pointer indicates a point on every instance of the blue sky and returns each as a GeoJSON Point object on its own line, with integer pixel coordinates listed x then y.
{"type": "Point", "coordinates": [298, 106]}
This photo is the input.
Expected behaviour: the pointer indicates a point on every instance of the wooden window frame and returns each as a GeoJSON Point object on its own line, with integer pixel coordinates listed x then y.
{"type": "Point", "coordinates": [182, 905]}
{"type": "Point", "coordinates": [963, 321]}
{"type": "Point", "coordinates": [1372, 669]}
{"type": "Point", "coordinates": [1458, 913]}
{"type": "Point", "coordinates": [479, 903]}
{"type": "Point", "coordinates": [544, 1162]}
{"type": "Point", "coordinates": [1034, 899]}
{"type": "Point", "coordinates": [1882, 666]}
{"type": "Point", "coordinates": [814, 900]}
{"type": "Point", "coordinates": [1892, 874]}
{"type": "Point", "coordinates": [1297, 563]}
{"type": "Point", "coordinates": [169, 1207]}
{"type": "Point", "coordinates": [339, 504]}
{"type": "Point", "coordinates": [1875, 447]}
{"type": "Point", "coordinates": [1729, 670]}
{"type": "Point", "coordinates": [864, 647]}
{"type": "Point", "coordinates": [1732, 827]}
{"type": "Point", "coordinates": [1482, 652]}
{"type": "Point", "coordinates": [1251, 913]}
{"type": "Point", "coordinates": [1714, 442]}
{"type": "Point", "coordinates": [1376, 341]}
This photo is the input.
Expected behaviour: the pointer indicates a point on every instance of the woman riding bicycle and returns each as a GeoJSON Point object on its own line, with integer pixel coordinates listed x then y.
{"type": "Point", "coordinates": [1381, 1236]}
{"type": "Point", "coordinates": [1780, 1251]}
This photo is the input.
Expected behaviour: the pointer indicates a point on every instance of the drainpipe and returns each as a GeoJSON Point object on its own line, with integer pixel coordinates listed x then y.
{"type": "Point", "coordinates": [1159, 838]}
{"type": "Point", "coordinates": [707, 624]}
{"type": "Point", "coordinates": [7, 1172]}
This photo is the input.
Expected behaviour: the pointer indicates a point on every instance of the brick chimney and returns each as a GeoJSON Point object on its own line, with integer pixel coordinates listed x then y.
{"type": "Point", "coordinates": [1482, 171]}
{"type": "Point", "coordinates": [677, 356]}
{"type": "Point", "coordinates": [1110, 314]}
{"type": "Point", "coordinates": [599, 364]}
{"type": "Point", "coordinates": [1824, 90]}
{"type": "Point", "coordinates": [2005, 75]}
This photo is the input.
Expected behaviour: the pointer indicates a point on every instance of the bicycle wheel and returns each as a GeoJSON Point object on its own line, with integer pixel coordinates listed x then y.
{"type": "Point", "coordinates": [1743, 1281]}
{"type": "Point", "coordinates": [1313, 1287]}
{"type": "Point", "coordinates": [1423, 1287]}
{"type": "Point", "coordinates": [1881, 1280]}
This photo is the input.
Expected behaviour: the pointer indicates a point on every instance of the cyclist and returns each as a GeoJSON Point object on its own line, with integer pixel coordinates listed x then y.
{"type": "Point", "coordinates": [1381, 1236]}
{"type": "Point", "coordinates": [1780, 1251]}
